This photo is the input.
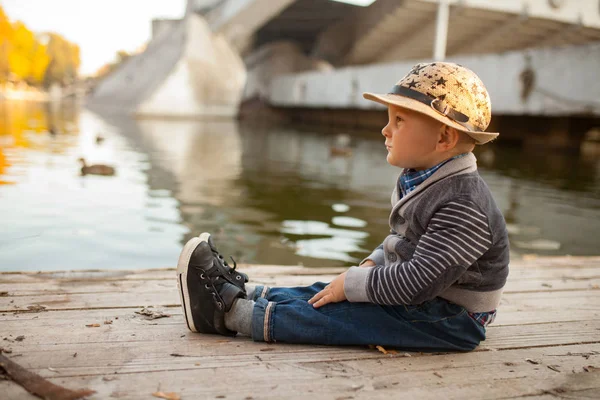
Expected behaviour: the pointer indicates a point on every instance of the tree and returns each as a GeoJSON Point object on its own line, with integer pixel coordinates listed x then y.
{"type": "Point", "coordinates": [21, 45]}
{"type": "Point", "coordinates": [24, 56]}
{"type": "Point", "coordinates": [5, 44]}
{"type": "Point", "coordinates": [64, 60]}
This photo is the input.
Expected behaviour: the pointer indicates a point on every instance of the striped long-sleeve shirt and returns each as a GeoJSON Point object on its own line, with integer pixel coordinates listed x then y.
{"type": "Point", "coordinates": [448, 239]}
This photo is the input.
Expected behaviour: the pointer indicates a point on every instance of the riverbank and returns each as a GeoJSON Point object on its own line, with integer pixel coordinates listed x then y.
{"type": "Point", "coordinates": [20, 92]}
{"type": "Point", "coordinates": [81, 329]}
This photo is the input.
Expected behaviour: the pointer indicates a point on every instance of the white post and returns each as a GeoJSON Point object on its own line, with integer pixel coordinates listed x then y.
{"type": "Point", "coordinates": [441, 30]}
{"type": "Point", "coordinates": [189, 7]}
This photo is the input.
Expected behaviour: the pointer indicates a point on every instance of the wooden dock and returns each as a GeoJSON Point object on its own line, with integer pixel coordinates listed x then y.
{"type": "Point", "coordinates": [81, 330]}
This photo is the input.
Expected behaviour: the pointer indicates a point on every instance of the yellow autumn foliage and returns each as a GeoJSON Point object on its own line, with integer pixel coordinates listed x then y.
{"type": "Point", "coordinates": [24, 56]}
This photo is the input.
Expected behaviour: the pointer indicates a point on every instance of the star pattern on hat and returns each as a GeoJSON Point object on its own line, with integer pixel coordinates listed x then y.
{"type": "Point", "coordinates": [416, 70]}
{"type": "Point", "coordinates": [457, 86]}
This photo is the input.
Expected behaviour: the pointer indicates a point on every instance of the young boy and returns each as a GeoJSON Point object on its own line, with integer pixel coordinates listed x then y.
{"type": "Point", "coordinates": [435, 281]}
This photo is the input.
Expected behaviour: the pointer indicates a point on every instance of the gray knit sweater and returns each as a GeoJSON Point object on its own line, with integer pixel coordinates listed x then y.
{"type": "Point", "coordinates": [448, 239]}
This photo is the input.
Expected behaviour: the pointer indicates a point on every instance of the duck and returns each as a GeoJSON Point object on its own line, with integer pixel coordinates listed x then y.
{"type": "Point", "coordinates": [340, 151]}
{"type": "Point", "coordinates": [96, 169]}
{"type": "Point", "coordinates": [341, 147]}
{"type": "Point", "coordinates": [99, 139]}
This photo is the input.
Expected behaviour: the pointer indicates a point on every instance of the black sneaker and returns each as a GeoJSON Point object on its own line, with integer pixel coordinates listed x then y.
{"type": "Point", "coordinates": [206, 289]}
{"type": "Point", "coordinates": [237, 278]}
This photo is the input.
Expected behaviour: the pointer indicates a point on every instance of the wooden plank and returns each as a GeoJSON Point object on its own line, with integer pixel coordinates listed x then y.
{"type": "Point", "coordinates": [166, 273]}
{"type": "Point", "coordinates": [562, 266]}
{"type": "Point", "coordinates": [524, 308]}
{"type": "Point", "coordinates": [550, 313]}
{"type": "Point", "coordinates": [45, 287]}
{"type": "Point", "coordinates": [65, 327]}
{"type": "Point", "coordinates": [215, 352]}
{"type": "Point", "coordinates": [12, 391]}
{"type": "Point", "coordinates": [454, 376]}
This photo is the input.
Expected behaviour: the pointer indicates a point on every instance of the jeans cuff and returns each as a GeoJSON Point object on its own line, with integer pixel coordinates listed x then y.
{"type": "Point", "coordinates": [260, 292]}
{"type": "Point", "coordinates": [262, 320]}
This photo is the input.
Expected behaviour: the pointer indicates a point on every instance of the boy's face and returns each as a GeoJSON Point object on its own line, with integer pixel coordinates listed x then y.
{"type": "Point", "coordinates": [410, 138]}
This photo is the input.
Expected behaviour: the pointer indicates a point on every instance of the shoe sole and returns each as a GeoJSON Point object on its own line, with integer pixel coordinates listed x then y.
{"type": "Point", "coordinates": [182, 271]}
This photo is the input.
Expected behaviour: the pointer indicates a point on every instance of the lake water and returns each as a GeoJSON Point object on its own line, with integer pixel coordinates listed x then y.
{"type": "Point", "coordinates": [269, 195]}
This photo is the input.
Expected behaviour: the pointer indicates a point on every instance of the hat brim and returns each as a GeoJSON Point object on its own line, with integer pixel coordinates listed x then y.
{"type": "Point", "coordinates": [414, 105]}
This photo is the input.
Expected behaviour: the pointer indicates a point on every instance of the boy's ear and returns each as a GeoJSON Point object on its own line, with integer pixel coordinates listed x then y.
{"type": "Point", "coordinates": [448, 138]}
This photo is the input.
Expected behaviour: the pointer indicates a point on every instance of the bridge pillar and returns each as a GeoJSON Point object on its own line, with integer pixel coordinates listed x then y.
{"type": "Point", "coordinates": [441, 30]}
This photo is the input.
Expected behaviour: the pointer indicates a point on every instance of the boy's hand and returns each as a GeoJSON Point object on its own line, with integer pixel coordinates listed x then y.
{"type": "Point", "coordinates": [332, 293]}
{"type": "Point", "coordinates": [368, 263]}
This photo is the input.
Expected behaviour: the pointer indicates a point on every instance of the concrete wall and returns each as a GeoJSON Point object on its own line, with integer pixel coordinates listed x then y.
{"type": "Point", "coordinates": [159, 26]}
{"type": "Point", "coordinates": [140, 75]}
{"type": "Point", "coordinates": [238, 20]}
{"type": "Point", "coordinates": [276, 59]}
{"type": "Point", "coordinates": [566, 82]}
{"type": "Point", "coordinates": [208, 79]}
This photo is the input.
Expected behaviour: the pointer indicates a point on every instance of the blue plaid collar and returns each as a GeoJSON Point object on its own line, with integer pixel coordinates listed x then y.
{"type": "Point", "coordinates": [410, 178]}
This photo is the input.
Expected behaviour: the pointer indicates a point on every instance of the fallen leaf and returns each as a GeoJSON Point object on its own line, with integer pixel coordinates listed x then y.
{"type": "Point", "coordinates": [267, 349]}
{"type": "Point", "coordinates": [107, 322]}
{"type": "Point", "coordinates": [534, 362]}
{"type": "Point", "coordinates": [3, 350]}
{"type": "Point", "coordinates": [149, 314]}
{"type": "Point", "coordinates": [3, 294]}
{"type": "Point", "coordinates": [93, 325]}
{"type": "Point", "coordinates": [546, 285]}
{"type": "Point", "coordinates": [20, 338]}
{"type": "Point", "coordinates": [595, 286]}
{"type": "Point", "coordinates": [177, 355]}
{"type": "Point", "coordinates": [52, 369]}
{"type": "Point", "coordinates": [554, 367]}
{"type": "Point", "coordinates": [381, 349]}
{"type": "Point", "coordinates": [509, 364]}
{"type": "Point", "coordinates": [109, 378]}
{"type": "Point", "coordinates": [167, 395]}
{"type": "Point", "coordinates": [438, 374]}
{"type": "Point", "coordinates": [74, 354]}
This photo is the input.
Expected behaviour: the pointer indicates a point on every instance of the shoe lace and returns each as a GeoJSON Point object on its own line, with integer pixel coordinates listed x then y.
{"type": "Point", "coordinates": [224, 262]}
{"type": "Point", "coordinates": [210, 283]}
{"type": "Point", "coordinates": [230, 270]}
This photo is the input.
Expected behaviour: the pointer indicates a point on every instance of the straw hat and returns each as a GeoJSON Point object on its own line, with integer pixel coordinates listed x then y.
{"type": "Point", "coordinates": [450, 93]}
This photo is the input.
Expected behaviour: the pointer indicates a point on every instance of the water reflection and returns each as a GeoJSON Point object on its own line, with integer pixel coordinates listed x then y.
{"type": "Point", "coordinates": [274, 195]}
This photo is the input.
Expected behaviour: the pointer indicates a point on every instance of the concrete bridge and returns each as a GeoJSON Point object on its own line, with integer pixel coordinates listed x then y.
{"type": "Point", "coordinates": [537, 57]}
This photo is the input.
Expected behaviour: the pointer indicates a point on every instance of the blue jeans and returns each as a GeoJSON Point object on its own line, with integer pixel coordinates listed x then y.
{"type": "Point", "coordinates": [284, 315]}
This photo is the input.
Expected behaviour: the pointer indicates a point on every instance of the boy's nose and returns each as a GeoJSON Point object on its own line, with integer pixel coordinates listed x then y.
{"type": "Point", "coordinates": [386, 131]}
